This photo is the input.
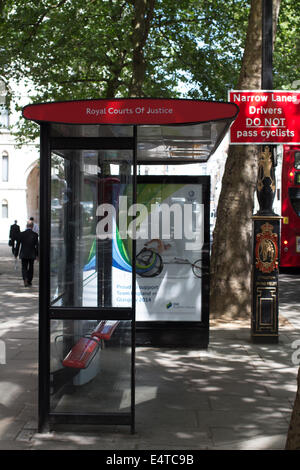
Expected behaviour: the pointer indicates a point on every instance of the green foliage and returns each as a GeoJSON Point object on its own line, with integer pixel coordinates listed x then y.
{"type": "Point", "coordinates": [287, 46]}
{"type": "Point", "coordinates": [82, 49]}
{"type": "Point", "coordinates": [79, 49]}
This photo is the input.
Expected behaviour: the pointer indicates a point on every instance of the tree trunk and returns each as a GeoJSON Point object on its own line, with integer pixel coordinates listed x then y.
{"type": "Point", "coordinates": [230, 295]}
{"type": "Point", "coordinates": [293, 437]}
{"type": "Point", "coordinates": [144, 10]}
{"type": "Point", "coordinates": [231, 261]}
{"type": "Point", "coordinates": [114, 80]}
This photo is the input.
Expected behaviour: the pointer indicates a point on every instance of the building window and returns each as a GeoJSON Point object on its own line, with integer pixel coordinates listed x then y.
{"type": "Point", "coordinates": [4, 117]}
{"type": "Point", "coordinates": [4, 209]}
{"type": "Point", "coordinates": [4, 114]}
{"type": "Point", "coordinates": [5, 166]}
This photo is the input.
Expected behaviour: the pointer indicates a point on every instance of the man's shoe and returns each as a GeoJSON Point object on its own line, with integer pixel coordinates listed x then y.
{"type": "Point", "coordinates": [26, 284]}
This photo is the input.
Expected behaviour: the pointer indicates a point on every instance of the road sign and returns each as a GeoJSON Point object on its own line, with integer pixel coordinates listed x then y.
{"type": "Point", "coordinates": [266, 117]}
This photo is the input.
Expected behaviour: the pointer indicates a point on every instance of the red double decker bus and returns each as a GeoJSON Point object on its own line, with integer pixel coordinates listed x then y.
{"type": "Point", "coordinates": [290, 207]}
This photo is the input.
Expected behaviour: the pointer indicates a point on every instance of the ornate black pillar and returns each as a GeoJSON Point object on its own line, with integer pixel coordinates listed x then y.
{"type": "Point", "coordinates": [266, 243]}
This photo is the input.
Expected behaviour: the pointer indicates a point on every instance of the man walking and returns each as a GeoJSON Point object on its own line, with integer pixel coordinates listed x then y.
{"type": "Point", "coordinates": [13, 236]}
{"type": "Point", "coordinates": [35, 226]}
{"type": "Point", "coordinates": [29, 242]}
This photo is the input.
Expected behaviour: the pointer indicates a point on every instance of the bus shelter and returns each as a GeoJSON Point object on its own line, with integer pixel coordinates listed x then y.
{"type": "Point", "coordinates": [124, 256]}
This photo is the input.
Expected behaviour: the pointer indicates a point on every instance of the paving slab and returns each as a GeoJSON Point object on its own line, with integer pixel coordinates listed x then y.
{"type": "Point", "coordinates": [236, 441]}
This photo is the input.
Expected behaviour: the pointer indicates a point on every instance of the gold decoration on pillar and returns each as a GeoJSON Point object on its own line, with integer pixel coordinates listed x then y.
{"type": "Point", "coordinates": [266, 249]}
{"type": "Point", "coordinates": [265, 165]}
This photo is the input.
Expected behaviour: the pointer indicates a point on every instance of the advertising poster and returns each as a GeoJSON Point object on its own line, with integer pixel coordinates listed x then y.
{"type": "Point", "coordinates": [169, 240]}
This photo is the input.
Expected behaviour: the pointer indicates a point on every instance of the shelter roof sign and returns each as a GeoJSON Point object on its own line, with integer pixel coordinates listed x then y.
{"type": "Point", "coordinates": [175, 129]}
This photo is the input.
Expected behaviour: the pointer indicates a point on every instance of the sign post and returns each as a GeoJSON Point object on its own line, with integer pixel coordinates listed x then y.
{"type": "Point", "coordinates": [266, 224]}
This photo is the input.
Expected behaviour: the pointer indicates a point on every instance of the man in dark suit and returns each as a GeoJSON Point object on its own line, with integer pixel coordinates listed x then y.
{"type": "Point", "coordinates": [13, 237]}
{"type": "Point", "coordinates": [29, 242]}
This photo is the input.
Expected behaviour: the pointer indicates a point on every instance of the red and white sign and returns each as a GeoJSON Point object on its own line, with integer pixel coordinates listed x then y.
{"type": "Point", "coordinates": [266, 117]}
{"type": "Point", "coordinates": [131, 111]}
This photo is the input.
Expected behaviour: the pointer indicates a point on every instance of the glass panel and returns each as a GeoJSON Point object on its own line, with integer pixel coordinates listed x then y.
{"type": "Point", "coordinates": [85, 189]}
{"type": "Point", "coordinates": [90, 369]}
{"type": "Point", "coordinates": [71, 130]}
{"type": "Point", "coordinates": [190, 142]}
{"type": "Point", "coordinates": [59, 200]}
{"type": "Point", "coordinates": [189, 169]}
{"type": "Point", "coordinates": [297, 160]}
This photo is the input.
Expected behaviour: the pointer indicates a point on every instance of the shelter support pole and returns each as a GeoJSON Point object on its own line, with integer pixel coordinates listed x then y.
{"type": "Point", "coordinates": [266, 224]}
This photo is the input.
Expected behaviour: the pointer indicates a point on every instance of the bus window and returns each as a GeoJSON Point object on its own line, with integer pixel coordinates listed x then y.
{"type": "Point", "coordinates": [294, 194]}
{"type": "Point", "coordinates": [297, 177]}
{"type": "Point", "coordinates": [297, 160]}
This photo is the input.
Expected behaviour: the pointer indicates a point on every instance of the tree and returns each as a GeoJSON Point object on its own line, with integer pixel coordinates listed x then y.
{"type": "Point", "coordinates": [107, 46]}
{"type": "Point", "coordinates": [287, 46]}
{"type": "Point", "coordinates": [103, 48]}
{"type": "Point", "coordinates": [231, 258]}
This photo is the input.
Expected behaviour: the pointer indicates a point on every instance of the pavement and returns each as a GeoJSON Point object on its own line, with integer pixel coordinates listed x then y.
{"type": "Point", "coordinates": [235, 395]}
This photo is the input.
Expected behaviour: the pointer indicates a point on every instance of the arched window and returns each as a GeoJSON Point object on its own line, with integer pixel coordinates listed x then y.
{"type": "Point", "coordinates": [4, 209]}
{"type": "Point", "coordinates": [4, 166]}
